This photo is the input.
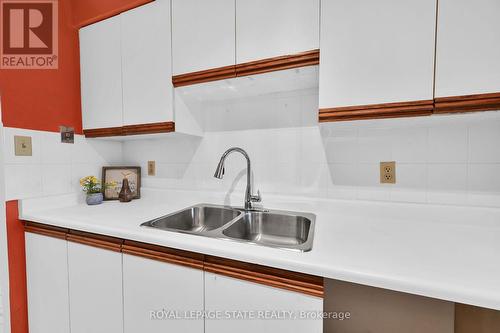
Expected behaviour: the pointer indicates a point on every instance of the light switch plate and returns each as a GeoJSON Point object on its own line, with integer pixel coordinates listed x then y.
{"type": "Point", "coordinates": [151, 168]}
{"type": "Point", "coordinates": [22, 145]}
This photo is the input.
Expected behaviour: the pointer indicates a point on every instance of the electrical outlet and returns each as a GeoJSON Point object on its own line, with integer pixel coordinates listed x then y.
{"type": "Point", "coordinates": [388, 172]}
{"type": "Point", "coordinates": [22, 145]}
{"type": "Point", "coordinates": [151, 168]}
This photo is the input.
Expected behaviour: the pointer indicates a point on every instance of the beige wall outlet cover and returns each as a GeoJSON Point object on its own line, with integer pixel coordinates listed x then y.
{"type": "Point", "coordinates": [388, 172]}
{"type": "Point", "coordinates": [151, 168]}
{"type": "Point", "coordinates": [22, 145]}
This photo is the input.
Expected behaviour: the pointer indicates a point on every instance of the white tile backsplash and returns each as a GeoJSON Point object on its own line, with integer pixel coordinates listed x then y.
{"type": "Point", "coordinates": [484, 178]}
{"type": "Point", "coordinates": [55, 167]}
{"type": "Point", "coordinates": [9, 147]}
{"type": "Point", "coordinates": [410, 175]}
{"type": "Point", "coordinates": [314, 179]}
{"type": "Point", "coordinates": [483, 142]}
{"type": "Point", "coordinates": [56, 179]}
{"type": "Point", "coordinates": [374, 144]}
{"type": "Point", "coordinates": [341, 146]}
{"type": "Point", "coordinates": [102, 152]}
{"type": "Point", "coordinates": [448, 144]}
{"type": "Point", "coordinates": [408, 195]}
{"type": "Point", "coordinates": [23, 181]}
{"type": "Point", "coordinates": [373, 193]}
{"type": "Point", "coordinates": [345, 174]}
{"type": "Point", "coordinates": [52, 150]}
{"type": "Point", "coordinates": [449, 177]}
{"type": "Point", "coordinates": [452, 159]}
{"type": "Point", "coordinates": [79, 170]}
{"type": "Point", "coordinates": [409, 145]}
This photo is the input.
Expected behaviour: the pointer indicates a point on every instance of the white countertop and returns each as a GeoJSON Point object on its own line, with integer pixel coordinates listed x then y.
{"type": "Point", "coordinates": [446, 252]}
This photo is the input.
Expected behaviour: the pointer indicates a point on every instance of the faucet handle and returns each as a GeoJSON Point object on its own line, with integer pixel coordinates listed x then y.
{"type": "Point", "coordinates": [256, 198]}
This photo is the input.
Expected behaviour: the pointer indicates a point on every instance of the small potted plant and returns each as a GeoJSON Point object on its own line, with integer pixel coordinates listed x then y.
{"type": "Point", "coordinates": [94, 188]}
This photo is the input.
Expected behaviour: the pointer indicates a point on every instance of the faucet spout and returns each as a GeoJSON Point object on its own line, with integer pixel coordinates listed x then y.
{"type": "Point", "coordinates": [219, 173]}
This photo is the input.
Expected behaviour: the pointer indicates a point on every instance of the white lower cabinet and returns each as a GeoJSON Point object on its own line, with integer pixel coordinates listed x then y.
{"type": "Point", "coordinates": [232, 299]}
{"type": "Point", "coordinates": [79, 288]}
{"type": "Point", "coordinates": [95, 289]}
{"type": "Point", "coordinates": [47, 284]}
{"type": "Point", "coordinates": [159, 296]}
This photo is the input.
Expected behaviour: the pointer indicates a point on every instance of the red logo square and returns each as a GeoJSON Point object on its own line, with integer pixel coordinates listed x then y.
{"type": "Point", "coordinates": [29, 34]}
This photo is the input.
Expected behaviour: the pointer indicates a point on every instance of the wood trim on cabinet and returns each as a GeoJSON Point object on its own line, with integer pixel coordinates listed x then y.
{"type": "Point", "coordinates": [467, 103]}
{"type": "Point", "coordinates": [377, 111]}
{"type": "Point", "coordinates": [103, 132]}
{"type": "Point", "coordinates": [292, 281]}
{"type": "Point", "coordinates": [95, 240]}
{"type": "Point", "coordinates": [208, 75]}
{"type": "Point", "coordinates": [159, 253]}
{"type": "Point", "coordinates": [274, 277]}
{"type": "Point", "coordinates": [303, 59]}
{"type": "Point", "coordinates": [45, 230]}
{"type": "Point", "coordinates": [152, 128]}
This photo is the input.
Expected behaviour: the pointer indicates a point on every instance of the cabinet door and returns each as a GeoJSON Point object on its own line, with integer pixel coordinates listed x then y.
{"type": "Point", "coordinates": [151, 287]}
{"type": "Point", "coordinates": [146, 64]}
{"type": "Point", "coordinates": [376, 52]}
{"type": "Point", "coordinates": [95, 289]}
{"type": "Point", "coordinates": [202, 35]}
{"type": "Point", "coordinates": [233, 297]}
{"type": "Point", "coordinates": [266, 29]}
{"type": "Point", "coordinates": [47, 282]}
{"type": "Point", "coordinates": [468, 47]}
{"type": "Point", "coordinates": [101, 74]}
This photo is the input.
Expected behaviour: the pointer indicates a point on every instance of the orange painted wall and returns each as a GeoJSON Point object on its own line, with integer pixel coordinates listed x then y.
{"type": "Point", "coordinates": [86, 12]}
{"type": "Point", "coordinates": [45, 99]}
{"type": "Point", "coordinates": [17, 270]}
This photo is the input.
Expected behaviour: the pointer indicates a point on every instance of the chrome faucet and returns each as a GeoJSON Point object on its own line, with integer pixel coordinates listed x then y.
{"type": "Point", "coordinates": [219, 173]}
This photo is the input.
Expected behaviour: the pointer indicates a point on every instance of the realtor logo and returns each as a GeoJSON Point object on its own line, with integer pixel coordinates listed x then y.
{"type": "Point", "coordinates": [29, 34]}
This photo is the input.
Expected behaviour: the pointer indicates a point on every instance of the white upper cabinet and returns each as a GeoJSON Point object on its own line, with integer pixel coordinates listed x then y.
{"type": "Point", "coordinates": [126, 68]}
{"type": "Point", "coordinates": [146, 64]}
{"type": "Point", "coordinates": [95, 289]}
{"type": "Point", "coordinates": [376, 51]}
{"type": "Point", "coordinates": [101, 74]}
{"type": "Point", "coordinates": [468, 47]}
{"type": "Point", "coordinates": [266, 29]}
{"type": "Point", "coordinates": [150, 286]}
{"type": "Point", "coordinates": [203, 34]}
{"type": "Point", "coordinates": [47, 282]}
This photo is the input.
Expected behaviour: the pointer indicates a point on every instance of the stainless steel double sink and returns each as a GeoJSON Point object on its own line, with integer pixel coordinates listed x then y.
{"type": "Point", "coordinates": [273, 228]}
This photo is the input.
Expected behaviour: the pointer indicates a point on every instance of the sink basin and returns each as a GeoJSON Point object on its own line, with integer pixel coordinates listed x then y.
{"type": "Point", "coordinates": [275, 229]}
{"type": "Point", "coordinates": [279, 229]}
{"type": "Point", "coordinates": [196, 219]}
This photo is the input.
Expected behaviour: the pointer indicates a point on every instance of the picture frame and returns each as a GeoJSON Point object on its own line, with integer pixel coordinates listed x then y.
{"type": "Point", "coordinates": [115, 174]}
